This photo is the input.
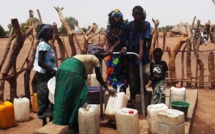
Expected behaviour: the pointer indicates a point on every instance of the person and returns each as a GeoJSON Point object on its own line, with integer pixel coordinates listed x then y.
{"type": "Point", "coordinates": [158, 72]}
{"type": "Point", "coordinates": [137, 34]}
{"type": "Point", "coordinates": [45, 67]}
{"type": "Point", "coordinates": [212, 33]}
{"type": "Point", "coordinates": [206, 33]}
{"type": "Point", "coordinates": [117, 65]}
{"type": "Point", "coordinates": [72, 89]}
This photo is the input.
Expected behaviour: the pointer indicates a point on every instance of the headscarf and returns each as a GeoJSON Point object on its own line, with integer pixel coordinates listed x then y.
{"type": "Point", "coordinates": [117, 15]}
{"type": "Point", "coordinates": [42, 30]}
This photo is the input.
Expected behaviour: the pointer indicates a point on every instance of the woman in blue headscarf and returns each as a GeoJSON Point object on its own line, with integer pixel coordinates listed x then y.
{"type": "Point", "coordinates": [117, 71]}
{"type": "Point", "coordinates": [45, 67]}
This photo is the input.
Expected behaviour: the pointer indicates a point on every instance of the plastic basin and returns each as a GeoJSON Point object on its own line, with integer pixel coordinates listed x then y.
{"type": "Point", "coordinates": [182, 106]}
{"type": "Point", "coordinates": [51, 87]}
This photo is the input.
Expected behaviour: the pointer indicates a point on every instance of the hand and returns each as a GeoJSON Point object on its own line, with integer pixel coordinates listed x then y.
{"type": "Point", "coordinates": [54, 72]}
{"type": "Point", "coordinates": [123, 51]}
{"type": "Point", "coordinates": [110, 51]}
{"type": "Point", "coordinates": [112, 93]}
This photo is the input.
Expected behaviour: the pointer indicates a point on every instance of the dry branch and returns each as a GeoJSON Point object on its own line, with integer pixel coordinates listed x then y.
{"type": "Point", "coordinates": [172, 56]}
{"type": "Point", "coordinates": [211, 69]}
{"type": "Point", "coordinates": [18, 44]}
{"type": "Point", "coordinates": [69, 32]}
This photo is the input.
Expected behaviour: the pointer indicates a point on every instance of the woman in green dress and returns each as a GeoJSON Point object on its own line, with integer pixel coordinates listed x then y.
{"type": "Point", "coordinates": [72, 89]}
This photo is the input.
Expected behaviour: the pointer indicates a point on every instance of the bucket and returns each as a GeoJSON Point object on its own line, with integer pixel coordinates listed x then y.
{"type": "Point", "coordinates": [182, 106]}
{"type": "Point", "coordinates": [94, 94]}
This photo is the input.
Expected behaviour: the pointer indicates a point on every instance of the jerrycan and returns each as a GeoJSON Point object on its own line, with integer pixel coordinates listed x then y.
{"type": "Point", "coordinates": [152, 114]}
{"type": "Point", "coordinates": [7, 118]}
{"type": "Point", "coordinates": [177, 94]}
{"type": "Point", "coordinates": [171, 121]}
{"type": "Point", "coordinates": [127, 121]}
{"type": "Point", "coordinates": [92, 81]}
{"type": "Point", "coordinates": [114, 104]}
{"type": "Point", "coordinates": [88, 120]}
{"type": "Point", "coordinates": [21, 109]}
{"type": "Point", "coordinates": [34, 103]}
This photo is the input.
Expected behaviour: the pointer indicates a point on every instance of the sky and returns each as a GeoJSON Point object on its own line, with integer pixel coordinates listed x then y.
{"type": "Point", "coordinates": [168, 12]}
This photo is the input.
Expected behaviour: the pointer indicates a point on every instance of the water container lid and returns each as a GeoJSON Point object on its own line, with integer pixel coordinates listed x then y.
{"type": "Point", "coordinates": [130, 111]}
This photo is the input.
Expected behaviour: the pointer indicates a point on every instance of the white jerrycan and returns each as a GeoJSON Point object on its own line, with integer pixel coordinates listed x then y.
{"type": "Point", "coordinates": [114, 104]}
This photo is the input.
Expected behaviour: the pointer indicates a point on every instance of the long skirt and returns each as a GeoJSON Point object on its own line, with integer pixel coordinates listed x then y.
{"type": "Point", "coordinates": [70, 93]}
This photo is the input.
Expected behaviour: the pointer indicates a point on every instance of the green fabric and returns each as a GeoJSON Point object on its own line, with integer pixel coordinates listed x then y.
{"type": "Point", "coordinates": [70, 93]}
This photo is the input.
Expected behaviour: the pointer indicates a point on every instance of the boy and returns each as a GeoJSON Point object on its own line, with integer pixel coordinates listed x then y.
{"type": "Point", "coordinates": [158, 71]}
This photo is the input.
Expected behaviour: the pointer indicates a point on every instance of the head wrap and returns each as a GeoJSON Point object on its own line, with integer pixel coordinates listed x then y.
{"type": "Point", "coordinates": [42, 30]}
{"type": "Point", "coordinates": [116, 14]}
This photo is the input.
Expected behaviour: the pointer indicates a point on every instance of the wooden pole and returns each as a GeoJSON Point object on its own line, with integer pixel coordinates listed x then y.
{"type": "Point", "coordinates": [69, 32]}
{"type": "Point", "coordinates": [211, 69]}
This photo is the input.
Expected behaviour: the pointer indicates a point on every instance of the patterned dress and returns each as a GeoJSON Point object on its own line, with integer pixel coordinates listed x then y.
{"type": "Point", "coordinates": [117, 65]}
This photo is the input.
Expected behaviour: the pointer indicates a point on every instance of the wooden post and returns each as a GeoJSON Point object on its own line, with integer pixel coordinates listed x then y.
{"type": "Point", "coordinates": [188, 57]}
{"type": "Point", "coordinates": [172, 56]}
{"type": "Point", "coordinates": [164, 40]}
{"type": "Point", "coordinates": [196, 43]}
{"type": "Point", "coordinates": [69, 32]}
{"type": "Point", "coordinates": [182, 64]}
{"type": "Point", "coordinates": [18, 44]}
{"type": "Point", "coordinates": [211, 69]}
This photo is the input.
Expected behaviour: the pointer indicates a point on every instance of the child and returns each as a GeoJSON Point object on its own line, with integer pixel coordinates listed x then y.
{"type": "Point", "coordinates": [158, 71]}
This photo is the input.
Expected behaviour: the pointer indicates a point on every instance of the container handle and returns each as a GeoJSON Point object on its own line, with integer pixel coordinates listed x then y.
{"type": "Point", "coordinates": [118, 88]}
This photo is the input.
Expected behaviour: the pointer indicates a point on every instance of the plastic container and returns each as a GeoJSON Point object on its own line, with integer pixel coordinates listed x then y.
{"type": "Point", "coordinates": [92, 81]}
{"type": "Point", "coordinates": [51, 87]}
{"type": "Point", "coordinates": [7, 118]}
{"type": "Point", "coordinates": [182, 106]}
{"type": "Point", "coordinates": [171, 121]}
{"type": "Point", "coordinates": [127, 121]}
{"type": "Point", "coordinates": [152, 114]}
{"type": "Point", "coordinates": [177, 94]}
{"type": "Point", "coordinates": [88, 120]}
{"type": "Point", "coordinates": [94, 95]}
{"type": "Point", "coordinates": [114, 104]}
{"type": "Point", "coordinates": [34, 103]}
{"type": "Point", "coordinates": [21, 109]}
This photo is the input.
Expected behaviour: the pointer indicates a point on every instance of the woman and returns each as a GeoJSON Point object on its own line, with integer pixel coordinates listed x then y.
{"type": "Point", "coordinates": [45, 67]}
{"type": "Point", "coordinates": [71, 88]}
{"type": "Point", "coordinates": [117, 71]}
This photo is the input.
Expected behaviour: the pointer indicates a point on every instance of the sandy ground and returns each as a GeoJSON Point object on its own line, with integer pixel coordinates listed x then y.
{"type": "Point", "coordinates": [203, 120]}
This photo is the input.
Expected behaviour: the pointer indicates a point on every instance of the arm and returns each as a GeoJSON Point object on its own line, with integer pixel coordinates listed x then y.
{"type": "Point", "coordinates": [101, 81]}
{"type": "Point", "coordinates": [110, 51]}
{"type": "Point", "coordinates": [141, 43]}
{"type": "Point", "coordinates": [42, 64]}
